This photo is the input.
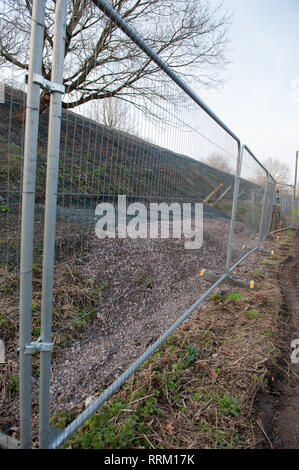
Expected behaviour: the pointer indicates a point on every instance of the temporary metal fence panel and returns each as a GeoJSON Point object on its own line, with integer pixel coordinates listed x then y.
{"type": "Point", "coordinates": [11, 159]}
{"type": "Point", "coordinates": [133, 289]}
{"type": "Point", "coordinates": [285, 197]}
{"type": "Point", "coordinates": [269, 202]}
{"type": "Point", "coordinates": [20, 251]}
{"type": "Point", "coordinates": [254, 197]}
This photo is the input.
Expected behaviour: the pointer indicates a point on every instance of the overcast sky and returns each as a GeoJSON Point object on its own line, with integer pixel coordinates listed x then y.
{"type": "Point", "coordinates": [260, 100]}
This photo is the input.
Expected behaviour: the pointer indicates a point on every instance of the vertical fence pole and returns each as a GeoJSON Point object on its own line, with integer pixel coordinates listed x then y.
{"type": "Point", "coordinates": [292, 205]}
{"type": "Point", "coordinates": [263, 208]}
{"type": "Point", "coordinates": [234, 206]}
{"type": "Point", "coordinates": [50, 216]}
{"type": "Point", "coordinates": [296, 169]}
{"type": "Point", "coordinates": [295, 185]}
{"type": "Point", "coordinates": [28, 199]}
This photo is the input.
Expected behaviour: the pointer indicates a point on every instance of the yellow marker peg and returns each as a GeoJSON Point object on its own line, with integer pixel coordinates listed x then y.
{"type": "Point", "coordinates": [251, 284]}
{"type": "Point", "coordinates": [202, 272]}
{"type": "Point", "coordinates": [272, 252]}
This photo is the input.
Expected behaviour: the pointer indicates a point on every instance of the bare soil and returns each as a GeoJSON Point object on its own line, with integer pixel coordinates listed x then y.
{"type": "Point", "coordinates": [286, 423]}
{"type": "Point", "coordinates": [168, 282]}
{"type": "Point", "coordinates": [279, 411]}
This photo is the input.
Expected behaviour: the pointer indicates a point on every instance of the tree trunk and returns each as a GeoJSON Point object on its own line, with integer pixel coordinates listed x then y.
{"type": "Point", "coordinates": [44, 102]}
{"type": "Point", "coordinates": [19, 114]}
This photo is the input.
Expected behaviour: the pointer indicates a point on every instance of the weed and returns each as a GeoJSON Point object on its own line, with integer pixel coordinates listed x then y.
{"type": "Point", "coordinates": [198, 396]}
{"type": "Point", "coordinates": [266, 261]}
{"type": "Point", "coordinates": [103, 431]}
{"type": "Point", "coordinates": [80, 323]}
{"type": "Point", "coordinates": [252, 314]}
{"type": "Point", "coordinates": [144, 280]}
{"type": "Point", "coordinates": [62, 342]}
{"type": "Point", "coordinates": [265, 385]}
{"type": "Point", "coordinates": [235, 296]}
{"type": "Point", "coordinates": [192, 353]}
{"type": "Point", "coordinates": [36, 331]}
{"type": "Point", "coordinates": [229, 406]}
{"type": "Point", "coordinates": [14, 384]}
{"type": "Point", "coordinates": [15, 145]}
{"type": "Point", "coordinates": [5, 208]}
{"type": "Point", "coordinates": [268, 333]}
{"type": "Point", "coordinates": [218, 296]}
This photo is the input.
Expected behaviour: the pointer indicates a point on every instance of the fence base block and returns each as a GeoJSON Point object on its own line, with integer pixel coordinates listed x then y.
{"type": "Point", "coordinates": [233, 280]}
{"type": "Point", "coordinates": [7, 442]}
{"type": "Point", "coordinates": [267, 252]}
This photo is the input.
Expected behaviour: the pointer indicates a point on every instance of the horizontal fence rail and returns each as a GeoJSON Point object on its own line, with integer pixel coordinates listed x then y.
{"type": "Point", "coordinates": [100, 307]}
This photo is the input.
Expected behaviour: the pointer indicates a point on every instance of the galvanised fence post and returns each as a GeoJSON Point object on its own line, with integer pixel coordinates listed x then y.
{"type": "Point", "coordinates": [293, 196]}
{"type": "Point", "coordinates": [27, 230]}
{"type": "Point", "coordinates": [50, 217]}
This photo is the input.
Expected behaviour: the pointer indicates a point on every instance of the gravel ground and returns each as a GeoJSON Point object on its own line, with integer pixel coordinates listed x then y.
{"type": "Point", "coordinates": [150, 283]}
{"type": "Point", "coordinates": [135, 313]}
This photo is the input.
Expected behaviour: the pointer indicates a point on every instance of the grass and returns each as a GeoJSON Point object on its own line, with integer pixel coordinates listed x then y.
{"type": "Point", "coordinates": [232, 296]}
{"type": "Point", "coordinates": [266, 261]}
{"type": "Point", "coordinates": [128, 419]}
{"type": "Point", "coordinates": [14, 384]}
{"type": "Point", "coordinates": [252, 314]}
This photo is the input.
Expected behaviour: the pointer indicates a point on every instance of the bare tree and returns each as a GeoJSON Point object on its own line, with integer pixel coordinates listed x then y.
{"type": "Point", "coordinates": [220, 162]}
{"type": "Point", "coordinates": [113, 113]}
{"type": "Point", "coordinates": [279, 170]}
{"type": "Point", "coordinates": [101, 62]}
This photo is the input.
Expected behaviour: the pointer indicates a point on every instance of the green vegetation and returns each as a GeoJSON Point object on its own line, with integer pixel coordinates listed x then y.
{"type": "Point", "coordinates": [5, 208]}
{"type": "Point", "coordinates": [252, 314]}
{"type": "Point", "coordinates": [232, 296]}
{"type": "Point", "coordinates": [235, 296]}
{"type": "Point", "coordinates": [14, 385]}
{"type": "Point", "coordinates": [266, 261]}
{"type": "Point", "coordinates": [126, 421]}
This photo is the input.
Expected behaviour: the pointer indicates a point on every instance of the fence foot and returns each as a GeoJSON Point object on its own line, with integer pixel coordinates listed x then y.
{"type": "Point", "coordinates": [7, 442]}
{"type": "Point", "coordinates": [233, 280]}
{"type": "Point", "coordinates": [262, 250]}
{"type": "Point", "coordinates": [267, 252]}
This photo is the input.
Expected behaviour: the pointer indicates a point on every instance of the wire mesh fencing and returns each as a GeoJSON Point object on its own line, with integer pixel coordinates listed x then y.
{"type": "Point", "coordinates": [11, 158]}
{"type": "Point", "coordinates": [285, 198]}
{"type": "Point", "coordinates": [182, 195]}
{"type": "Point", "coordinates": [254, 205]}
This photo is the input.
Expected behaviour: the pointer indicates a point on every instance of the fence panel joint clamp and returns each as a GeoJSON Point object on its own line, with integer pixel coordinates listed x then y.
{"type": "Point", "coordinates": [47, 84]}
{"type": "Point", "coordinates": [36, 346]}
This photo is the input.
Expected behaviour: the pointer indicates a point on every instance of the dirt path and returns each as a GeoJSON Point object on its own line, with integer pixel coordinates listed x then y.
{"type": "Point", "coordinates": [286, 421]}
